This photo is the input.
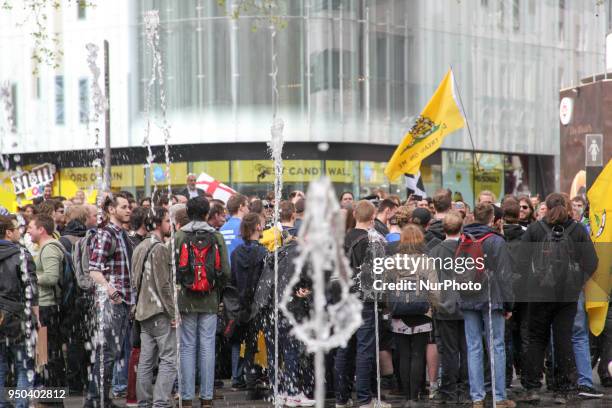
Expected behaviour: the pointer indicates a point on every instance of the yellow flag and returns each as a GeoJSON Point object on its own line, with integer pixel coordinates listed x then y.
{"type": "Point", "coordinates": [598, 287]}
{"type": "Point", "coordinates": [440, 117]}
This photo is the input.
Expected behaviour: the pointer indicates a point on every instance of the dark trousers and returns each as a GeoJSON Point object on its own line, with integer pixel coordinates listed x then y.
{"type": "Point", "coordinates": [601, 348]}
{"type": "Point", "coordinates": [116, 328]}
{"type": "Point", "coordinates": [361, 350]}
{"type": "Point", "coordinates": [411, 351]}
{"type": "Point", "coordinates": [453, 357]}
{"type": "Point", "coordinates": [542, 316]}
{"type": "Point", "coordinates": [54, 374]}
{"type": "Point", "coordinates": [519, 331]}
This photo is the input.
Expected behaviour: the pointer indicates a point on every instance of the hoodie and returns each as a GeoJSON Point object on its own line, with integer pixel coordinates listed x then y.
{"type": "Point", "coordinates": [497, 263]}
{"type": "Point", "coordinates": [247, 265]}
{"type": "Point", "coordinates": [199, 302]}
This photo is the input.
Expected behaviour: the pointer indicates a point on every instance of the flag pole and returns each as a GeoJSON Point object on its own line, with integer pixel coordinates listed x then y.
{"type": "Point", "coordinates": [475, 164]}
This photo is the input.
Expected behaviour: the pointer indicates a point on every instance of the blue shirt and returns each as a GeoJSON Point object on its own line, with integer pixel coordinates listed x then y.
{"type": "Point", "coordinates": [231, 235]}
{"type": "Point", "coordinates": [393, 237]}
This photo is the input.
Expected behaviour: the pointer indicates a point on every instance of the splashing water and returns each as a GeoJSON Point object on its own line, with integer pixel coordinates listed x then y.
{"type": "Point", "coordinates": [151, 20]}
{"type": "Point", "coordinates": [6, 97]}
{"type": "Point", "coordinates": [321, 244]}
{"type": "Point", "coordinates": [276, 150]}
{"type": "Point", "coordinates": [377, 249]}
{"type": "Point", "coordinates": [491, 345]}
{"type": "Point", "coordinates": [100, 104]}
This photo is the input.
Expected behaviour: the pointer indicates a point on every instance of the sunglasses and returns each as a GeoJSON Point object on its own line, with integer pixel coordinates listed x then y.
{"type": "Point", "coordinates": [524, 207]}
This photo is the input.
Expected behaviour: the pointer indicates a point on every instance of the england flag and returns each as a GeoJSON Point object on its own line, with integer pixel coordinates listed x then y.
{"type": "Point", "coordinates": [215, 188]}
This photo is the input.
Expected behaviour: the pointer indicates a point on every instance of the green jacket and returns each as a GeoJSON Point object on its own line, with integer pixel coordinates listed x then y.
{"type": "Point", "coordinates": [198, 302]}
{"type": "Point", "coordinates": [49, 265]}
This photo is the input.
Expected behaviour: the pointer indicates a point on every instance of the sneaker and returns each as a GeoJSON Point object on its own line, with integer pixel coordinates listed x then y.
{"type": "Point", "coordinates": [131, 403]}
{"type": "Point", "coordinates": [478, 404]}
{"type": "Point", "coordinates": [299, 401]}
{"type": "Point", "coordinates": [347, 404]}
{"type": "Point", "coordinates": [587, 392]}
{"type": "Point", "coordinates": [238, 386]}
{"type": "Point", "coordinates": [206, 403]}
{"type": "Point", "coordinates": [505, 404]}
{"type": "Point", "coordinates": [440, 399]}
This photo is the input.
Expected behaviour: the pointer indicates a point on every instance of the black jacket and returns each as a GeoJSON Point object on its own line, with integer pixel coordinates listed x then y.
{"type": "Point", "coordinates": [13, 288]}
{"type": "Point", "coordinates": [584, 255]}
{"type": "Point", "coordinates": [380, 227]}
{"type": "Point", "coordinates": [185, 192]}
{"type": "Point", "coordinates": [448, 308]}
{"type": "Point", "coordinates": [247, 263]}
{"type": "Point", "coordinates": [496, 262]}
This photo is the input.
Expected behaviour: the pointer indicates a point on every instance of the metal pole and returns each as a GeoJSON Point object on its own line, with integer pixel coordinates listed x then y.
{"type": "Point", "coordinates": [107, 135]}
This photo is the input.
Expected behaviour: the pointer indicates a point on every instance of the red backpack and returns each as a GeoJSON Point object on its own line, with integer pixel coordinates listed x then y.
{"type": "Point", "coordinates": [199, 262]}
{"type": "Point", "coordinates": [470, 247]}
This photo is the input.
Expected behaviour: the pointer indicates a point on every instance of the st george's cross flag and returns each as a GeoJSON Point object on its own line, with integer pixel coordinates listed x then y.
{"type": "Point", "coordinates": [215, 188]}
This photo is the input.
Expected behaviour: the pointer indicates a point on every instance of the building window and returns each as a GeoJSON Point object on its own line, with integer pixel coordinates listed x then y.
{"type": "Point", "coordinates": [561, 19]}
{"type": "Point", "coordinates": [59, 100]}
{"type": "Point", "coordinates": [81, 10]}
{"type": "Point", "coordinates": [14, 115]}
{"type": "Point", "coordinates": [516, 15]}
{"type": "Point", "coordinates": [83, 100]}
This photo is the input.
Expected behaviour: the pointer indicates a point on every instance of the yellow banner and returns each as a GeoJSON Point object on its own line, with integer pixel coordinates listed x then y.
{"type": "Point", "coordinates": [440, 117]}
{"type": "Point", "coordinates": [340, 171]}
{"type": "Point", "coordinates": [598, 287]}
{"type": "Point", "coordinates": [220, 170]}
{"type": "Point", "coordinates": [85, 177]}
{"type": "Point", "coordinates": [262, 171]}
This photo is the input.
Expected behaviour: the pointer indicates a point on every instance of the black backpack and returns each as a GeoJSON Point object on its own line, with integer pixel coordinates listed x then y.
{"type": "Point", "coordinates": [69, 291]}
{"type": "Point", "coordinates": [553, 264]}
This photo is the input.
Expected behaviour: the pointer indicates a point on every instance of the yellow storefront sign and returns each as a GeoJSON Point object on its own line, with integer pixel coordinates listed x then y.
{"type": "Point", "coordinates": [178, 174]}
{"type": "Point", "coordinates": [85, 177]}
{"type": "Point", "coordinates": [262, 171]}
{"type": "Point", "coordinates": [220, 170]}
{"type": "Point", "coordinates": [340, 171]}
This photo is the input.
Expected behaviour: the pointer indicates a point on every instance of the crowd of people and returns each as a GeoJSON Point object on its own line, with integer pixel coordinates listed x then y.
{"type": "Point", "coordinates": [114, 295]}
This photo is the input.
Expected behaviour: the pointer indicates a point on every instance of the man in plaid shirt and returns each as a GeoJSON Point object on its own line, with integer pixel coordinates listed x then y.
{"type": "Point", "coordinates": [111, 270]}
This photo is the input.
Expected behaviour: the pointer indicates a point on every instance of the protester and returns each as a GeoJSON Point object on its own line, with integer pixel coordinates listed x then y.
{"type": "Point", "coordinates": [386, 210]}
{"type": "Point", "coordinates": [247, 263]}
{"type": "Point", "coordinates": [485, 310]}
{"type": "Point", "coordinates": [17, 286]}
{"type": "Point", "coordinates": [394, 230]}
{"type": "Point", "coordinates": [527, 213]}
{"type": "Point", "coordinates": [542, 209]}
{"type": "Point", "coordinates": [155, 311]}
{"type": "Point", "coordinates": [296, 195]}
{"type": "Point", "coordinates": [300, 208]}
{"type": "Point", "coordinates": [111, 270]}
{"type": "Point", "coordinates": [216, 216]}
{"type": "Point", "coordinates": [360, 351]}
{"type": "Point", "coordinates": [192, 190]}
{"type": "Point", "coordinates": [138, 229]}
{"type": "Point", "coordinates": [486, 197]}
{"type": "Point", "coordinates": [145, 202]}
{"type": "Point", "coordinates": [449, 324]}
{"type": "Point", "coordinates": [48, 270]}
{"type": "Point", "coordinates": [411, 325]}
{"type": "Point", "coordinates": [346, 199]}
{"type": "Point", "coordinates": [553, 302]}
{"type": "Point", "coordinates": [579, 206]}
{"type": "Point", "coordinates": [238, 207]}
{"type": "Point", "coordinates": [198, 299]}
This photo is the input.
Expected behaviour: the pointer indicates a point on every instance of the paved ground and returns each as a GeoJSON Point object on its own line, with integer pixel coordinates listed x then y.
{"type": "Point", "coordinates": [238, 399]}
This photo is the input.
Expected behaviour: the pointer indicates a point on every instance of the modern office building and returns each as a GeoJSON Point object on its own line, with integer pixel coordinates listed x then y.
{"type": "Point", "coordinates": [351, 76]}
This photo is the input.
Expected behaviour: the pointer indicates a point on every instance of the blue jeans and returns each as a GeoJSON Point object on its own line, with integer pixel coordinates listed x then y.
{"type": "Point", "coordinates": [116, 328]}
{"type": "Point", "coordinates": [194, 327]}
{"type": "Point", "coordinates": [22, 365]}
{"type": "Point", "coordinates": [477, 326]}
{"type": "Point", "coordinates": [362, 350]}
{"type": "Point", "coordinates": [580, 343]}
{"type": "Point", "coordinates": [237, 365]}
{"type": "Point", "coordinates": [120, 374]}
